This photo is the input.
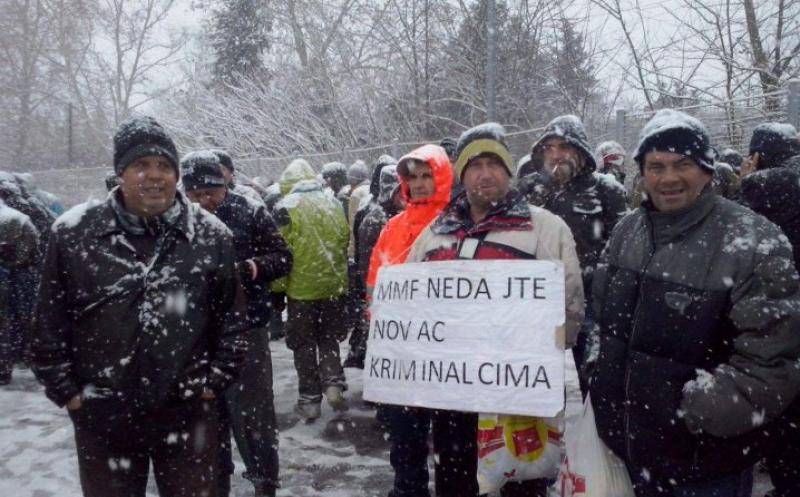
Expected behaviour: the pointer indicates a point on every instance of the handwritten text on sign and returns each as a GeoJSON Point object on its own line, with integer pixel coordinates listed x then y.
{"type": "Point", "coordinates": [468, 335]}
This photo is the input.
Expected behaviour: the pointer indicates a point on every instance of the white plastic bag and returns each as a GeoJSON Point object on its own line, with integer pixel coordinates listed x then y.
{"type": "Point", "coordinates": [590, 469]}
{"type": "Point", "coordinates": [516, 448]}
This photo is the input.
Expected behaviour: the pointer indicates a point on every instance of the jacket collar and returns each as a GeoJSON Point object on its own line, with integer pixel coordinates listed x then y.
{"type": "Point", "coordinates": [670, 226]}
{"type": "Point", "coordinates": [115, 219]}
{"type": "Point", "coordinates": [510, 214]}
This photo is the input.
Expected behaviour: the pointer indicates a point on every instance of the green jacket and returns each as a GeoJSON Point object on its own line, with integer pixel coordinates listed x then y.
{"type": "Point", "coordinates": [314, 225]}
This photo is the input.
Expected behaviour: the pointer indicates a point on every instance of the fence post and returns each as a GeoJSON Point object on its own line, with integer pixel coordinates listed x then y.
{"type": "Point", "coordinates": [619, 131]}
{"type": "Point", "coordinates": [793, 110]}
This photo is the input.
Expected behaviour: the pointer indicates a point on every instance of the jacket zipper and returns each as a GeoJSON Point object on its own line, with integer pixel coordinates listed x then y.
{"type": "Point", "coordinates": [636, 313]}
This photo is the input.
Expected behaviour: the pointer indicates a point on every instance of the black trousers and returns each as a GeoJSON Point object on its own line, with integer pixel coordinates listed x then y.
{"type": "Point", "coordinates": [247, 409]}
{"type": "Point", "coordinates": [783, 458]}
{"type": "Point", "coordinates": [455, 442]}
{"type": "Point", "coordinates": [116, 446]}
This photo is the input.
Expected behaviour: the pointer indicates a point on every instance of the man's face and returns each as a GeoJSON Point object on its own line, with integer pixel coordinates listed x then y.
{"type": "Point", "coordinates": [560, 159]}
{"type": "Point", "coordinates": [672, 181]}
{"type": "Point", "coordinates": [209, 198]}
{"type": "Point", "coordinates": [148, 186]}
{"type": "Point", "coordinates": [485, 180]}
{"type": "Point", "coordinates": [420, 180]}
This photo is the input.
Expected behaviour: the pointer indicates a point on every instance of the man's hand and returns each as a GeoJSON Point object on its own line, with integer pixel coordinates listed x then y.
{"type": "Point", "coordinates": [74, 403]}
{"type": "Point", "coordinates": [248, 270]}
{"type": "Point", "coordinates": [208, 394]}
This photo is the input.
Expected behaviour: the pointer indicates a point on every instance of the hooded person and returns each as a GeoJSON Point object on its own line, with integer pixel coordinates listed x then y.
{"type": "Point", "coordinates": [426, 177]}
{"type": "Point", "coordinates": [501, 225]}
{"type": "Point", "coordinates": [139, 327]}
{"type": "Point", "coordinates": [314, 225]}
{"type": "Point", "coordinates": [591, 204]}
{"type": "Point", "coordinates": [334, 174]}
{"type": "Point", "coordinates": [247, 408]}
{"type": "Point", "coordinates": [771, 187]}
{"type": "Point", "coordinates": [698, 306]}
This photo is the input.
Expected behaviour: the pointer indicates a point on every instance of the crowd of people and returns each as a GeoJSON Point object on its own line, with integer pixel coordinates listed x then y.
{"type": "Point", "coordinates": [148, 315]}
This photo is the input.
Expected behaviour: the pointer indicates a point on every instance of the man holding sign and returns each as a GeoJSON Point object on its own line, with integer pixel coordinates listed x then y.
{"type": "Point", "coordinates": [487, 221]}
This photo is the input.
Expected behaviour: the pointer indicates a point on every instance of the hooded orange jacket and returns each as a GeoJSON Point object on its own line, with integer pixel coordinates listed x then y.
{"type": "Point", "coordinates": [402, 230]}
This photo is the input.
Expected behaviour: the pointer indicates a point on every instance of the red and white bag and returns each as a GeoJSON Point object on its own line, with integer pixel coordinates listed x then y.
{"type": "Point", "coordinates": [516, 448]}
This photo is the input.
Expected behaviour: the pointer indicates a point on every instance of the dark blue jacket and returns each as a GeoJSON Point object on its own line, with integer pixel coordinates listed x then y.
{"type": "Point", "coordinates": [255, 237]}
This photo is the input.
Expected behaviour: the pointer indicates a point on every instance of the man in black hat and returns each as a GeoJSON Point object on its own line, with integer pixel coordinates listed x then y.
{"type": "Point", "coordinates": [229, 171]}
{"type": "Point", "coordinates": [698, 305]}
{"type": "Point", "coordinates": [261, 257]}
{"type": "Point", "coordinates": [139, 325]}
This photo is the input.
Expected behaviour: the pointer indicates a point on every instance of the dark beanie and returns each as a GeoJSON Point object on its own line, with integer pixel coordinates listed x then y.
{"type": "Point", "coordinates": [201, 169]}
{"type": "Point", "coordinates": [224, 159]}
{"type": "Point", "coordinates": [139, 137]}
{"type": "Point", "coordinates": [486, 138]}
{"type": "Point", "coordinates": [677, 132]}
{"type": "Point", "coordinates": [775, 139]}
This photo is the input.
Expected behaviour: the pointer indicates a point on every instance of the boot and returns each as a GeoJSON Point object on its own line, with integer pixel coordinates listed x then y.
{"type": "Point", "coordinates": [335, 398]}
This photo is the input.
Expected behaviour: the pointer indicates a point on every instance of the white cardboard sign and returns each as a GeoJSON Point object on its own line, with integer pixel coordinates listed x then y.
{"type": "Point", "coordinates": [468, 335]}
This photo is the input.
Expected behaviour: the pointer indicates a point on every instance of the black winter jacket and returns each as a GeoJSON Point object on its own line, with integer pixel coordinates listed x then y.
{"type": "Point", "coordinates": [698, 312]}
{"type": "Point", "coordinates": [591, 204]}
{"type": "Point", "coordinates": [256, 237]}
{"type": "Point", "coordinates": [148, 319]}
{"type": "Point", "coordinates": [775, 194]}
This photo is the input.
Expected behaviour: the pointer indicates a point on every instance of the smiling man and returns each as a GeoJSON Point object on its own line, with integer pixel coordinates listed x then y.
{"type": "Point", "coordinates": [698, 305]}
{"type": "Point", "coordinates": [139, 325]}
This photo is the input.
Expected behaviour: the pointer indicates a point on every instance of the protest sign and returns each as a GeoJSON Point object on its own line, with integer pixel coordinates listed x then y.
{"type": "Point", "coordinates": [468, 335]}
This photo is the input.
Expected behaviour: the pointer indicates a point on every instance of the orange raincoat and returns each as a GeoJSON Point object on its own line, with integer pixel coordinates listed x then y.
{"type": "Point", "coordinates": [402, 230]}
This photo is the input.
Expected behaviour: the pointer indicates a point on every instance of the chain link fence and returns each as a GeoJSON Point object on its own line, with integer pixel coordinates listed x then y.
{"type": "Point", "coordinates": [730, 124]}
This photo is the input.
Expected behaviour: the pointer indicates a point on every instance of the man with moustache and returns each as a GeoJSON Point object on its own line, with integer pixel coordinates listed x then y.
{"type": "Point", "coordinates": [591, 204]}
{"type": "Point", "coordinates": [489, 220]}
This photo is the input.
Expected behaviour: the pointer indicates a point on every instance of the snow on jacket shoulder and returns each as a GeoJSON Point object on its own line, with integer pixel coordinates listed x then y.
{"type": "Point", "coordinates": [544, 236]}
{"type": "Point", "coordinates": [19, 240]}
{"type": "Point", "coordinates": [775, 194]}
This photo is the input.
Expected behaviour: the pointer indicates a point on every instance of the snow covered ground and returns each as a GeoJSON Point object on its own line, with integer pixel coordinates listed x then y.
{"type": "Point", "coordinates": [337, 456]}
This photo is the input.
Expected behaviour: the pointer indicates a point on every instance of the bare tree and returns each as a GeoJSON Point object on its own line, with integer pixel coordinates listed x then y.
{"type": "Point", "coordinates": [133, 30]}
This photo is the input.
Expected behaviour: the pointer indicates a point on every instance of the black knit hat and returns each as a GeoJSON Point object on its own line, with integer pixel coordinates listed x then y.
{"type": "Point", "coordinates": [775, 139]}
{"type": "Point", "coordinates": [486, 138]}
{"type": "Point", "coordinates": [201, 169]}
{"type": "Point", "coordinates": [139, 137]}
{"type": "Point", "coordinates": [674, 131]}
{"type": "Point", "coordinates": [225, 159]}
